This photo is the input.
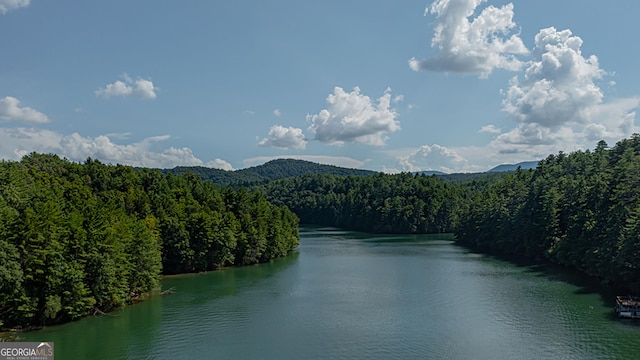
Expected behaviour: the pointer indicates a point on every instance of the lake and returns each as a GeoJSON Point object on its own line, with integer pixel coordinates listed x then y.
{"type": "Point", "coordinates": [348, 295]}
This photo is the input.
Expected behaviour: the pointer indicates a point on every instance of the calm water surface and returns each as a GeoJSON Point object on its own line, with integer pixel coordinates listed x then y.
{"type": "Point", "coordinates": [346, 295]}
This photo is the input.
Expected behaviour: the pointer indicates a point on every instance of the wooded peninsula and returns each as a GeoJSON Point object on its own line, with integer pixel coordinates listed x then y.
{"type": "Point", "coordinates": [78, 239]}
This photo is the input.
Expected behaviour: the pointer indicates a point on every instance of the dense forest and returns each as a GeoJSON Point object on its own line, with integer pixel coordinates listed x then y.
{"type": "Point", "coordinates": [580, 210]}
{"type": "Point", "coordinates": [82, 238]}
{"type": "Point", "coordinates": [271, 170]}
{"type": "Point", "coordinates": [401, 203]}
{"type": "Point", "coordinates": [77, 239]}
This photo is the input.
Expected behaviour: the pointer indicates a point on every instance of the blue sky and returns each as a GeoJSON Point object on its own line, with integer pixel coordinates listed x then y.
{"type": "Point", "coordinates": [448, 85]}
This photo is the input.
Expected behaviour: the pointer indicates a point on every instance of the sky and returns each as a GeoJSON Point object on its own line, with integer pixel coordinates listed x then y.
{"type": "Point", "coordinates": [383, 85]}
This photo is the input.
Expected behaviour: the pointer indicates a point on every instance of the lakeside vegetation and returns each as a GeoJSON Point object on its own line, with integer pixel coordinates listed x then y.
{"type": "Point", "coordinates": [580, 210]}
{"type": "Point", "coordinates": [79, 239]}
{"type": "Point", "coordinates": [400, 203]}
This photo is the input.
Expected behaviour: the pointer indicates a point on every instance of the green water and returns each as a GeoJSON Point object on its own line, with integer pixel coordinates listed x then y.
{"type": "Point", "coordinates": [346, 295]}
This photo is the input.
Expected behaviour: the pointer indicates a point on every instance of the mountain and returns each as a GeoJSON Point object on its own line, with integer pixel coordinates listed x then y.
{"type": "Point", "coordinates": [430, 172]}
{"type": "Point", "coordinates": [525, 165]}
{"type": "Point", "coordinates": [285, 168]}
{"type": "Point", "coordinates": [274, 169]}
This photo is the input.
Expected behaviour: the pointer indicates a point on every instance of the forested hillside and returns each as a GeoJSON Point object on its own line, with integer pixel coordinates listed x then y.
{"type": "Point", "coordinates": [581, 210]}
{"type": "Point", "coordinates": [82, 238]}
{"type": "Point", "coordinates": [401, 203]}
{"type": "Point", "coordinates": [274, 169]}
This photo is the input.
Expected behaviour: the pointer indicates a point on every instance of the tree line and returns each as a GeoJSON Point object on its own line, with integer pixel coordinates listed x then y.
{"type": "Point", "coordinates": [274, 169]}
{"type": "Point", "coordinates": [580, 210]}
{"type": "Point", "coordinates": [381, 203]}
{"type": "Point", "coordinates": [77, 239]}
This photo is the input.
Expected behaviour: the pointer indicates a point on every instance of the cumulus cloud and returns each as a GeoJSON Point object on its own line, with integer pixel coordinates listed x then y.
{"type": "Point", "coordinates": [476, 45]}
{"type": "Point", "coordinates": [284, 138]}
{"type": "Point", "coordinates": [219, 164]}
{"type": "Point", "coordinates": [535, 134]}
{"type": "Point", "coordinates": [558, 99]}
{"type": "Point", "coordinates": [10, 110]}
{"type": "Point", "coordinates": [353, 117]}
{"type": "Point", "coordinates": [433, 157]}
{"type": "Point", "coordinates": [79, 147]}
{"type": "Point", "coordinates": [613, 120]}
{"type": "Point", "coordinates": [528, 142]}
{"type": "Point", "coordinates": [466, 159]}
{"type": "Point", "coordinates": [559, 85]}
{"type": "Point", "coordinates": [491, 129]}
{"type": "Point", "coordinates": [17, 142]}
{"type": "Point", "coordinates": [141, 88]}
{"type": "Point", "coordinates": [6, 5]}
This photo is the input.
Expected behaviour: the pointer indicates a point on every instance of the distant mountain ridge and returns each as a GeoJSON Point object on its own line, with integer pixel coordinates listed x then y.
{"type": "Point", "coordinates": [430, 172]}
{"type": "Point", "coordinates": [274, 169]}
{"type": "Point", "coordinates": [525, 165]}
{"type": "Point", "coordinates": [285, 168]}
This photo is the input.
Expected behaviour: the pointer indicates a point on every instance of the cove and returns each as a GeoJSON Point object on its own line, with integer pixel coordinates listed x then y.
{"type": "Point", "coordinates": [349, 295]}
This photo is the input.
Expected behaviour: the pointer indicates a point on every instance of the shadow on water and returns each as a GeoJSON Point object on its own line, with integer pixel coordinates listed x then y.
{"type": "Point", "coordinates": [136, 329]}
{"type": "Point", "coordinates": [338, 233]}
{"type": "Point", "coordinates": [203, 287]}
{"type": "Point", "coordinates": [584, 284]}
{"type": "Point", "coordinates": [354, 243]}
{"type": "Point", "coordinates": [101, 336]}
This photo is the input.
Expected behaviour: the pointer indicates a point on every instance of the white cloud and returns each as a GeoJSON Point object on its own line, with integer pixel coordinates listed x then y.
{"type": "Point", "coordinates": [491, 129]}
{"type": "Point", "coordinates": [140, 88]}
{"type": "Point", "coordinates": [17, 142]}
{"type": "Point", "coordinates": [277, 112]}
{"type": "Point", "coordinates": [6, 5]}
{"type": "Point", "coordinates": [144, 89]}
{"type": "Point", "coordinates": [536, 134]}
{"type": "Point", "coordinates": [558, 100]}
{"type": "Point", "coordinates": [118, 88]}
{"type": "Point", "coordinates": [559, 85]}
{"type": "Point", "coordinates": [613, 120]}
{"type": "Point", "coordinates": [477, 46]}
{"type": "Point", "coordinates": [465, 159]}
{"type": "Point", "coordinates": [352, 117]}
{"type": "Point", "coordinates": [341, 161]}
{"type": "Point", "coordinates": [10, 110]}
{"type": "Point", "coordinates": [118, 136]}
{"type": "Point", "coordinates": [219, 164]}
{"type": "Point", "coordinates": [78, 147]}
{"type": "Point", "coordinates": [433, 157]}
{"type": "Point", "coordinates": [284, 138]}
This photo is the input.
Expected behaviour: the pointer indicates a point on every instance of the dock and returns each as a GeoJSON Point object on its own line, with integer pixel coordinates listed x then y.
{"type": "Point", "coordinates": [628, 306]}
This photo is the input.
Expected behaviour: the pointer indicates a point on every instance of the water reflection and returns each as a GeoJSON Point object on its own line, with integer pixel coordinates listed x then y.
{"type": "Point", "coordinates": [362, 296]}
